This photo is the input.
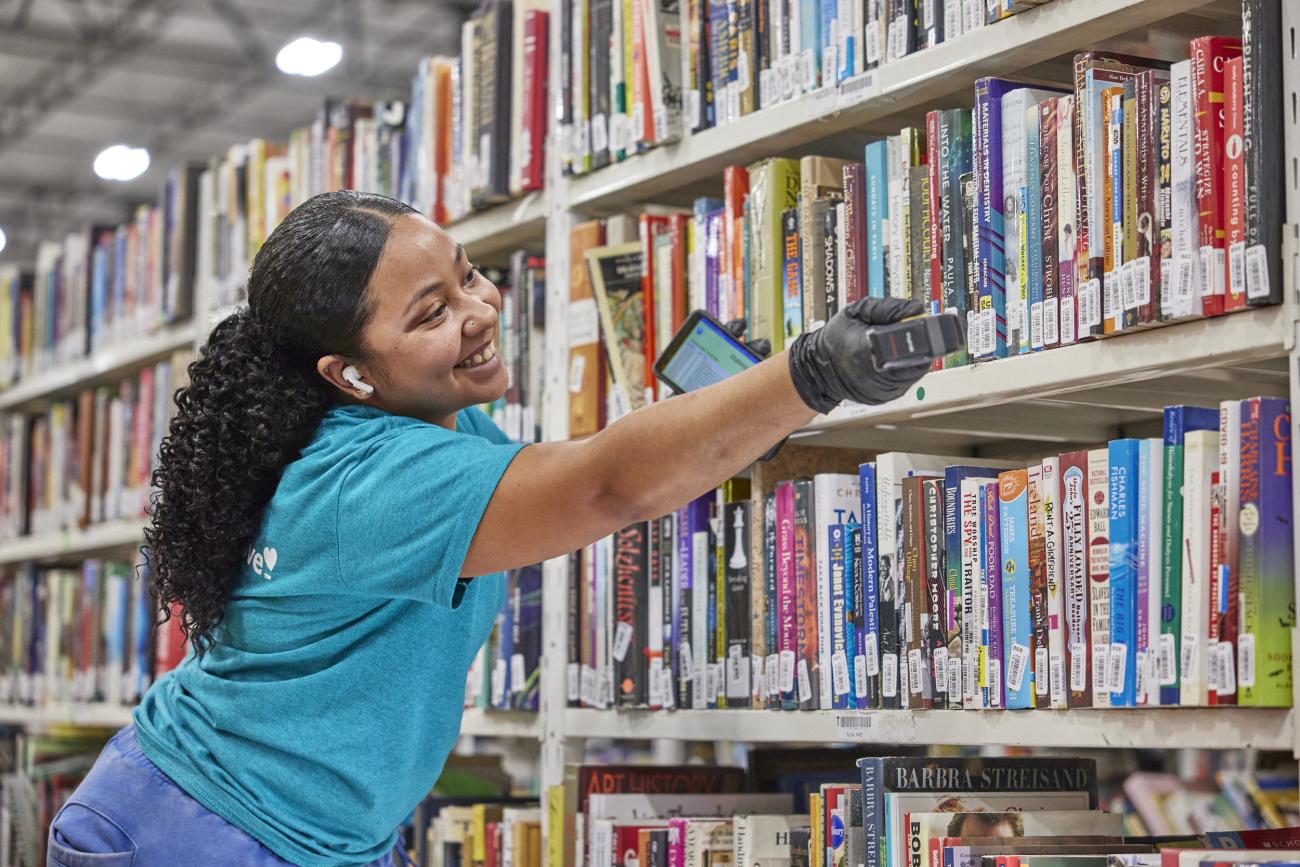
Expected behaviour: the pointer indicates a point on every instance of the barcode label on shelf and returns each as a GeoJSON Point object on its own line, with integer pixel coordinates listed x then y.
{"type": "Point", "coordinates": [1040, 671]}
{"type": "Point", "coordinates": [1067, 320]}
{"type": "Point", "coordinates": [1227, 669]}
{"type": "Point", "coordinates": [688, 663]}
{"type": "Point", "coordinates": [1189, 669]}
{"type": "Point", "coordinates": [1036, 325]}
{"type": "Point", "coordinates": [787, 671]}
{"type": "Point", "coordinates": [572, 678]}
{"type": "Point", "coordinates": [1118, 666]}
{"type": "Point", "coordinates": [914, 670]}
{"type": "Point", "coordinates": [622, 640]}
{"type": "Point", "coordinates": [940, 663]}
{"type": "Point", "coordinates": [1246, 660]}
{"type": "Point", "coordinates": [1237, 268]}
{"type": "Point", "coordinates": [995, 682]}
{"type": "Point", "coordinates": [1058, 677]}
{"type": "Point", "coordinates": [1090, 304]}
{"type": "Point", "coordinates": [1257, 283]}
{"type": "Point", "coordinates": [772, 670]}
{"type": "Point", "coordinates": [1017, 663]}
{"type": "Point", "coordinates": [852, 728]}
{"type": "Point", "coordinates": [889, 675]}
{"type": "Point", "coordinates": [872, 655]}
{"type": "Point", "coordinates": [1185, 284]}
{"type": "Point", "coordinates": [1051, 321]}
{"type": "Point", "coordinates": [805, 682]}
{"type": "Point", "coordinates": [1100, 661]}
{"type": "Point", "coordinates": [954, 679]}
{"type": "Point", "coordinates": [1167, 662]}
{"type": "Point", "coordinates": [840, 673]}
{"type": "Point", "coordinates": [1110, 288]}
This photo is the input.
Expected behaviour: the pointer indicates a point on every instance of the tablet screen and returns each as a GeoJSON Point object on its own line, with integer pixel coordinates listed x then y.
{"type": "Point", "coordinates": [706, 355]}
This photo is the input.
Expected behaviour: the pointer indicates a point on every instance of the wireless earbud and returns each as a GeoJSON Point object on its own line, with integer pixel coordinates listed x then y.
{"type": "Point", "coordinates": [354, 379]}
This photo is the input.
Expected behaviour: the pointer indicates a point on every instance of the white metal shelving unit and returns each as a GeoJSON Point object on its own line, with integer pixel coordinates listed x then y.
{"type": "Point", "coordinates": [1013, 405]}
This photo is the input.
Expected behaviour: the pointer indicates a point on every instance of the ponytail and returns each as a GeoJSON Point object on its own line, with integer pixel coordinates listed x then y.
{"type": "Point", "coordinates": [255, 399]}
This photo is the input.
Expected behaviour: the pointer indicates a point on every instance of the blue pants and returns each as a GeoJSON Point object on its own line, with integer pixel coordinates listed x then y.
{"type": "Point", "coordinates": [128, 813]}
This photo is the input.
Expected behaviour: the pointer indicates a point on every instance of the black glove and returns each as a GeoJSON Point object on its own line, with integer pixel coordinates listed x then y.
{"type": "Point", "coordinates": [834, 363]}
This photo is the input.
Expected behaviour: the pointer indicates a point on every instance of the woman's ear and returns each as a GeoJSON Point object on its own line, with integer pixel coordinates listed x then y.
{"type": "Point", "coordinates": [346, 377]}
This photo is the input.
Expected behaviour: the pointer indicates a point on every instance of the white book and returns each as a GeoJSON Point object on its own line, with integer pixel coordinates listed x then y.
{"type": "Point", "coordinates": [895, 192]}
{"type": "Point", "coordinates": [1050, 495]}
{"type": "Point", "coordinates": [1151, 466]}
{"type": "Point", "coordinates": [1015, 175]}
{"type": "Point", "coordinates": [1185, 287]}
{"type": "Point", "coordinates": [1067, 217]}
{"type": "Point", "coordinates": [700, 553]}
{"type": "Point", "coordinates": [764, 840]}
{"type": "Point", "coordinates": [625, 807]}
{"type": "Point", "coordinates": [836, 499]}
{"type": "Point", "coordinates": [1200, 460]}
{"type": "Point", "coordinates": [974, 590]}
{"type": "Point", "coordinates": [1099, 571]}
{"type": "Point", "coordinates": [841, 263]}
{"type": "Point", "coordinates": [898, 806]}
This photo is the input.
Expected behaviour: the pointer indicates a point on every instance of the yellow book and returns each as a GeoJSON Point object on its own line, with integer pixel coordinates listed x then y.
{"type": "Point", "coordinates": [815, 834]}
{"type": "Point", "coordinates": [559, 840]}
{"type": "Point", "coordinates": [773, 188]}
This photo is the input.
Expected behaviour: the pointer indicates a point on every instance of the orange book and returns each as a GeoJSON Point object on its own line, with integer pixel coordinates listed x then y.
{"type": "Point", "coordinates": [586, 375]}
{"type": "Point", "coordinates": [735, 186]}
{"type": "Point", "coordinates": [440, 67]}
{"type": "Point", "coordinates": [679, 225]}
{"type": "Point", "coordinates": [651, 226]}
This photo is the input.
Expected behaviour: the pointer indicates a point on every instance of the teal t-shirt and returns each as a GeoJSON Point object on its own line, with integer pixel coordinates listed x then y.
{"type": "Point", "coordinates": [327, 708]}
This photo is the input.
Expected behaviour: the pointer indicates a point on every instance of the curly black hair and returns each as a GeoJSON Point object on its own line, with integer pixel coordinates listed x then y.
{"type": "Point", "coordinates": [255, 399]}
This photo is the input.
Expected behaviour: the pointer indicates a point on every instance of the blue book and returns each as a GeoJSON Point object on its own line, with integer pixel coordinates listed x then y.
{"type": "Point", "coordinates": [840, 690]}
{"type": "Point", "coordinates": [1178, 420]}
{"type": "Point", "coordinates": [811, 13]}
{"type": "Point", "coordinates": [829, 11]}
{"type": "Point", "coordinates": [1032, 208]}
{"type": "Point", "coordinates": [1017, 625]}
{"type": "Point", "coordinates": [718, 39]}
{"type": "Point", "coordinates": [1123, 456]}
{"type": "Point", "coordinates": [877, 161]}
{"type": "Point", "coordinates": [867, 626]}
{"type": "Point", "coordinates": [713, 241]}
{"type": "Point", "coordinates": [853, 597]}
{"type": "Point", "coordinates": [988, 336]}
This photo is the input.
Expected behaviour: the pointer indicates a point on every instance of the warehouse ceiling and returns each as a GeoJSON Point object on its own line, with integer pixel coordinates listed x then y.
{"type": "Point", "coordinates": [184, 78]}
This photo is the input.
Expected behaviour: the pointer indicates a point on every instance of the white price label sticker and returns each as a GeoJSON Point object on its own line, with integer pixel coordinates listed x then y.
{"type": "Point", "coordinates": [954, 679]}
{"type": "Point", "coordinates": [742, 68]}
{"type": "Point", "coordinates": [1140, 669]}
{"type": "Point", "coordinates": [1018, 662]}
{"type": "Point", "coordinates": [517, 673]}
{"type": "Point", "coordinates": [1246, 660]}
{"type": "Point", "coordinates": [914, 670]}
{"type": "Point", "coordinates": [840, 673]}
{"type": "Point", "coordinates": [572, 678]}
{"type": "Point", "coordinates": [599, 133]}
{"type": "Point", "coordinates": [1227, 669]}
{"type": "Point", "coordinates": [1100, 668]}
{"type": "Point", "coordinates": [1167, 661]}
{"type": "Point", "coordinates": [995, 682]}
{"type": "Point", "coordinates": [939, 659]}
{"type": "Point", "coordinates": [1067, 320]}
{"type": "Point", "coordinates": [1237, 268]}
{"type": "Point", "coordinates": [1258, 286]}
{"type": "Point", "coordinates": [860, 677]}
{"type": "Point", "coordinates": [871, 653]}
{"type": "Point", "coordinates": [1117, 664]}
{"type": "Point", "coordinates": [772, 671]}
{"type": "Point", "coordinates": [622, 640]}
{"type": "Point", "coordinates": [687, 663]}
{"type": "Point", "coordinates": [1057, 663]}
{"type": "Point", "coordinates": [1190, 669]}
{"type": "Point", "coordinates": [805, 682]}
{"type": "Point", "coordinates": [787, 671]}
{"type": "Point", "coordinates": [1040, 671]}
{"type": "Point", "coordinates": [889, 675]}
{"type": "Point", "coordinates": [1078, 667]}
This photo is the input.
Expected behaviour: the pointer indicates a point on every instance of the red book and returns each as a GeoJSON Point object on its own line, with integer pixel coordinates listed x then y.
{"type": "Point", "coordinates": [735, 187]}
{"type": "Point", "coordinates": [1216, 559]}
{"type": "Point", "coordinates": [641, 69]}
{"type": "Point", "coordinates": [1234, 185]}
{"type": "Point", "coordinates": [855, 225]}
{"type": "Point", "coordinates": [787, 617]}
{"type": "Point", "coordinates": [933, 162]}
{"type": "Point", "coordinates": [651, 226]}
{"type": "Point", "coordinates": [533, 154]}
{"type": "Point", "coordinates": [1076, 591]}
{"type": "Point", "coordinates": [656, 780]}
{"type": "Point", "coordinates": [491, 836]}
{"type": "Point", "coordinates": [170, 644]}
{"type": "Point", "coordinates": [1209, 55]}
{"type": "Point", "coordinates": [677, 227]}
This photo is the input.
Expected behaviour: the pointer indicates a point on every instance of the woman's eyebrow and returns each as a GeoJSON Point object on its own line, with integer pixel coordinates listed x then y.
{"type": "Point", "coordinates": [422, 294]}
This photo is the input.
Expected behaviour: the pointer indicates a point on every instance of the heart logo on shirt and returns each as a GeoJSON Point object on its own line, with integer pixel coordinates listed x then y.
{"type": "Point", "coordinates": [269, 556]}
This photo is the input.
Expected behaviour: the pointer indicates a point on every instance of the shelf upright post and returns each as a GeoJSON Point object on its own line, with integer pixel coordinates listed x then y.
{"type": "Point", "coordinates": [1290, 74]}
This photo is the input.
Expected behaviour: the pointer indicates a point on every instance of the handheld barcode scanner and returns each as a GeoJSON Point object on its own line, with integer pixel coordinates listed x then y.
{"type": "Point", "coordinates": [915, 340]}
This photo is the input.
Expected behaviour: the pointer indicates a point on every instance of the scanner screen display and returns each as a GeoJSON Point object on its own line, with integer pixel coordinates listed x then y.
{"type": "Point", "coordinates": [708, 355]}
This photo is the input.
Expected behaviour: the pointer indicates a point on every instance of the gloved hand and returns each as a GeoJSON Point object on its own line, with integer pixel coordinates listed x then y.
{"type": "Point", "coordinates": [834, 363]}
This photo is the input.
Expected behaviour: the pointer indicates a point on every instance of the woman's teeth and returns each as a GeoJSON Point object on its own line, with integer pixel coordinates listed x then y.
{"type": "Point", "coordinates": [478, 358]}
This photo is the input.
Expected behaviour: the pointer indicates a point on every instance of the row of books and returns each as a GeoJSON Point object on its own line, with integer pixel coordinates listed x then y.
{"type": "Point", "coordinates": [1143, 572]}
{"type": "Point", "coordinates": [99, 286]}
{"type": "Point", "coordinates": [522, 333]}
{"type": "Point", "coordinates": [630, 80]}
{"type": "Point", "coordinates": [500, 833]}
{"type": "Point", "coordinates": [1228, 800]}
{"type": "Point", "coordinates": [86, 459]}
{"type": "Point", "coordinates": [506, 672]}
{"type": "Point", "coordinates": [83, 635]}
{"type": "Point", "coordinates": [889, 811]}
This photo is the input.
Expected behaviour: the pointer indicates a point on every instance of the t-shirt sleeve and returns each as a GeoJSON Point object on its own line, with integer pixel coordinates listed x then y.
{"type": "Point", "coordinates": [409, 510]}
{"type": "Point", "coordinates": [475, 421]}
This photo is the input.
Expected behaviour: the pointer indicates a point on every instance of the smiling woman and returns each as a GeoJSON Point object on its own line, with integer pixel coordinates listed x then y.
{"type": "Point", "coordinates": [325, 497]}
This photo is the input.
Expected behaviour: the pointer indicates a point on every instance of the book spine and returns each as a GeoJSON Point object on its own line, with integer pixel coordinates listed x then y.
{"type": "Point", "coordinates": [807, 657]}
{"type": "Point", "coordinates": [1233, 186]}
{"type": "Point", "coordinates": [914, 620]}
{"type": "Point", "coordinates": [867, 623]}
{"type": "Point", "coordinates": [988, 324]}
{"type": "Point", "coordinates": [1050, 495]}
{"type": "Point", "coordinates": [1015, 170]}
{"type": "Point", "coordinates": [1049, 201]}
{"type": "Point", "coordinates": [854, 618]}
{"type": "Point", "coordinates": [1200, 457]}
{"type": "Point", "coordinates": [1113, 220]}
{"type": "Point", "coordinates": [1074, 503]}
{"type": "Point", "coordinates": [991, 546]}
{"type": "Point", "coordinates": [1208, 57]}
{"type": "Point", "coordinates": [1123, 560]}
{"type": "Point", "coordinates": [876, 222]}
{"type": "Point", "coordinates": [1039, 652]}
{"type": "Point", "coordinates": [955, 150]}
{"type": "Point", "coordinates": [1267, 559]}
{"type": "Point", "coordinates": [1262, 112]}
{"type": "Point", "coordinates": [953, 601]}
{"type": "Point", "coordinates": [772, 620]}
{"type": "Point", "coordinates": [1164, 145]}
{"type": "Point", "coordinates": [934, 248]}
{"type": "Point", "coordinates": [973, 596]}
{"type": "Point", "coordinates": [832, 244]}
{"type": "Point", "coordinates": [1013, 515]}
{"type": "Point", "coordinates": [1129, 300]}
{"type": "Point", "coordinates": [1032, 232]}
{"type": "Point", "coordinates": [919, 235]}
{"type": "Point", "coordinates": [533, 139]}
{"type": "Point", "coordinates": [1099, 572]}
{"type": "Point", "coordinates": [1146, 273]}
{"type": "Point", "coordinates": [873, 809]}
{"type": "Point", "coordinates": [1068, 223]}
{"type": "Point", "coordinates": [1185, 277]}
{"type": "Point", "coordinates": [788, 628]}
{"type": "Point", "coordinates": [1227, 603]}
{"type": "Point", "coordinates": [836, 616]}
{"type": "Point", "coordinates": [792, 307]}
{"type": "Point", "coordinates": [935, 600]}
{"type": "Point", "coordinates": [685, 627]}
{"type": "Point", "coordinates": [890, 569]}
{"type": "Point", "coordinates": [1213, 660]}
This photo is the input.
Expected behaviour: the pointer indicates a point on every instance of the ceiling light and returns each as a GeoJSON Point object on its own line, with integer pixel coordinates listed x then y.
{"type": "Point", "coordinates": [121, 163]}
{"type": "Point", "coordinates": [307, 56]}
{"type": "Point", "coordinates": [2, 240]}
